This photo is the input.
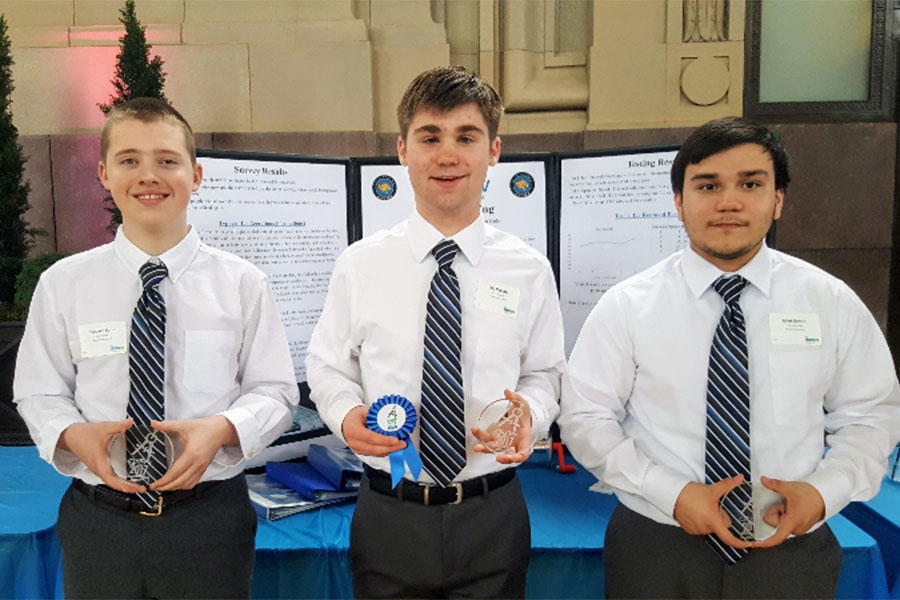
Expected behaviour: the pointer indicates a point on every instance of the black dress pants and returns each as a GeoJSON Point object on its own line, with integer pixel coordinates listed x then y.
{"type": "Point", "coordinates": [646, 559]}
{"type": "Point", "coordinates": [202, 548]}
{"type": "Point", "coordinates": [477, 549]}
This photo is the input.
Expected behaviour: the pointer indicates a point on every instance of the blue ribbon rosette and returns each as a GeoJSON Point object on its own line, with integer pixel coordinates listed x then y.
{"type": "Point", "coordinates": [395, 416]}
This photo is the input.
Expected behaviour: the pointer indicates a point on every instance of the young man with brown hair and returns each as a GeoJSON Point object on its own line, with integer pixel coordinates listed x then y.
{"type": "Point", "coordinates": [706, 390]}
{"type": "Point", "coordinates": [410, 313]}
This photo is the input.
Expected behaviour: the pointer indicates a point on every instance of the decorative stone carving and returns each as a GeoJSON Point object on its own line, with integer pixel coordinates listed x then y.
{"type": "Point", "coordinates": [704, 21]}
{"type": "Point", "coordinates": [705, 80]}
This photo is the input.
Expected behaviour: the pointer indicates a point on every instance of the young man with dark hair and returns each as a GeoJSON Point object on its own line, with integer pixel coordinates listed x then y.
{"type": "Point", "coordinates": [706, 390]}
{"type": "Point", "coordinates": [450, 314]}
{"type": "Point", "coordinates": [152, 335]}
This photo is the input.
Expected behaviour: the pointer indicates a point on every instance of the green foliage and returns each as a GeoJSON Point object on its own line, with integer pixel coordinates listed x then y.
{"type": "Point", "coordinates": [29, 275]}
{"type": "Point", "coordinates": [16, 237]}
{"type": "Point", "coordinates": [11, 312]}
{"type": "Point", "coordinates": [137, 76]}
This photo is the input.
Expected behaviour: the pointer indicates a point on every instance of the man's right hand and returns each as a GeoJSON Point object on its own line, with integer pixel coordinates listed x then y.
{"type": "Point", "coordinates": [90, 443]}
{"type": "Point", "coordinates": [363, 440]}
{"type": "Point", "coordinates": [698, 510]}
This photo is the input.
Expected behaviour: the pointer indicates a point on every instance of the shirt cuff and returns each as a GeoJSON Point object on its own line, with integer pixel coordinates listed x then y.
{"type": "Point", "coordinates": [228, 456]}
{"type": "Point", "coordinates": [248, 435]}
{"type": "Point", "coordinates": [834, 488]}
{"type": "Point", "coordinates": [337, 412]}
{"type": "Point", "coordinates": [662, 487]}
{"type": "Point", "coordinates": [63, 461]}
{"type": "Point", "coordinates": [538, 431]}
{"type": "Point", "coordinates": [66, 463]}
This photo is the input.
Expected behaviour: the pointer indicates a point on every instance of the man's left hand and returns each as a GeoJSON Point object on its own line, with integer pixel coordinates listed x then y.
{"type": "Point", "coordinates": [804, 507]}
{"type": "Point", "coordinates": [520, 449]}
{"type": "Point", "coordinates": [202, 439]}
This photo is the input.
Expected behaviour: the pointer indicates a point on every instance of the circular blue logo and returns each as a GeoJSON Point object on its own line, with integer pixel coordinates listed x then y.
{"type": "Point", "coordinates": [521, 184]}
{"type": "Point", "coordinates": [384, 187]}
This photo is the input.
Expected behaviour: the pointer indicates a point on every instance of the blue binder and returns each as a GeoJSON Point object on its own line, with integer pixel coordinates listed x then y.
{"type": "Point", "coordinates": [339, 465]}
{"type": "Point", "coordinates": [305, 480]}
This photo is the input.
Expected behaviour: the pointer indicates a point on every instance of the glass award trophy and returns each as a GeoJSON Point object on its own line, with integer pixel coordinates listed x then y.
{"type": "Point", "coordinates": [768, 509]}
{"type": "Point", "coordinates": [136, 466]}
{"type": "Point", "coordinates": [761, 518]}
{"type": "Point", "coordinates": [501, 421]}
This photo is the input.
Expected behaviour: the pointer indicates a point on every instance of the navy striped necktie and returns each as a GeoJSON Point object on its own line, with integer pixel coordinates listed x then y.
{"type": "Point", "coordinates": [728, 415]}
{"type": "Point", "coordinates": [145, 447]}
{"type": "Point", "coordinates": [443, 439]}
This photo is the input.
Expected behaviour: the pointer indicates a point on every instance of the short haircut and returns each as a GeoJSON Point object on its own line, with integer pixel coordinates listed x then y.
{"type": "Point", "coordinates": [444, 88]}
{"type": "Point", "coordinates": [146, 110]}
{"type": "Point", "coordinates": [723, 134]}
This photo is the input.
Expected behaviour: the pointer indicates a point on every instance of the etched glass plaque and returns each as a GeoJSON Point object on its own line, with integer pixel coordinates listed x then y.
{"type": "Point", "coordinates": [754, 510]}
{"type": "Point", "coordinates": [136, 467]}
{"type": "Point", "coordinates": [501, 420]}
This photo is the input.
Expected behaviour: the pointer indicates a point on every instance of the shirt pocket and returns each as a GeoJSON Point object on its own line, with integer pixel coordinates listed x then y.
{"type": "Point", "coordinates": [208, 362]}
{"type": "Point", "coordinates": [496, 367]}
{"type": "Point", "coordinates": [799, 379]}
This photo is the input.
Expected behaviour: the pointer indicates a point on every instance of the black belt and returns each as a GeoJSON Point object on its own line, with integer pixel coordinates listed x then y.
{"type": "Point", "coordinates": [432, 493]}
{"type": "Point", "coordinates": [133, 504]}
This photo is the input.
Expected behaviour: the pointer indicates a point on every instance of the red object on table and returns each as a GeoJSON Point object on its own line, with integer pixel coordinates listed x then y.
{"type": "Point", "coordinates": [563, 467]}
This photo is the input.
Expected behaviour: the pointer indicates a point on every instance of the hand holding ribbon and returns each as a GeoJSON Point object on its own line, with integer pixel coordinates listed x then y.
{"type": "Point", "coordinates": [395, 416]}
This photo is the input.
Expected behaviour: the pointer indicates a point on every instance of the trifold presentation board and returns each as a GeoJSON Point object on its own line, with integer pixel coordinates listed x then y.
{"type": "Point", "coordinates": [598, 217]}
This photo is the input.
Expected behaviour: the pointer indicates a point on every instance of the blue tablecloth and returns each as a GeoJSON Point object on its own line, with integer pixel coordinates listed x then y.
{"type": "Point", "coordinates": [30, 491]}
{"type": "Point", "coordinates": [305, 556]}
{"type": "Point", "coordinates": [880, 518]}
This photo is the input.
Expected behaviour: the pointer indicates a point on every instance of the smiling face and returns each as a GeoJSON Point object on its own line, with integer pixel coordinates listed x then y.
{"type": "Point", "coordinates": [149, 173]}
{"type": "Point", "coordinates": [448, 155]}
{"type": "Point", "coordinates": [728, 203]}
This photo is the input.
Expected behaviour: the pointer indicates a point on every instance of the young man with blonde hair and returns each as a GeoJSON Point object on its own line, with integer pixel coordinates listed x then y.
{"type": "Point", "coordinates": [153, 336]}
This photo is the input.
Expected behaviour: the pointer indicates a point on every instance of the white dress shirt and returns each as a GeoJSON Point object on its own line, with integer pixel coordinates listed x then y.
{"type": "Point", "coordinates": [634, 396]}
{"type": "Point", "coordinates": [226, 351]}
{"type": "Point", "coordinates": [369, 340]}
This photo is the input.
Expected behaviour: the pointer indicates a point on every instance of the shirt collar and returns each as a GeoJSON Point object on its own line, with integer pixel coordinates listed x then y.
{"type": "Point", "coordinates": [700, 273]}
{"type": "Point", "coordinates": [423, 236]}
{"type": "Point", "coordinates": [177, 259]}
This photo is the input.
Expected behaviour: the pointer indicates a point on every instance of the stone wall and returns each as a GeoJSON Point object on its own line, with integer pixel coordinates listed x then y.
{"type": "Point", "coordinates": [323, 77]}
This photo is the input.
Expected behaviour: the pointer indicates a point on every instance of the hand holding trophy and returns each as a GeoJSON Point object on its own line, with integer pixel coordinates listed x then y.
{"type": "Point", "coordinates": [131, 453]}
{"type": "Point", "coordinates": [504, 429]}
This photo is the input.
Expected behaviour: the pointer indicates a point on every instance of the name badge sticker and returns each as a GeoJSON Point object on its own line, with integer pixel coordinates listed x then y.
{"type": "Point", "coordinates": [102, 339]}
{"type": "Point", "coordinates": [497, 298]}
{"type": "Point", "coordinates": [795, 329]}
